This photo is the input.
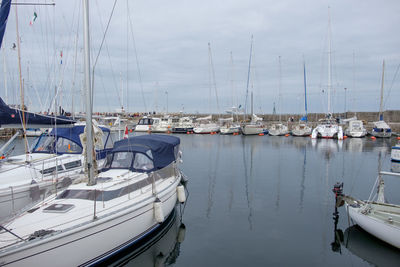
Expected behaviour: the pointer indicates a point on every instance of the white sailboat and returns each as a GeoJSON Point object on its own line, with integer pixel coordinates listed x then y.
{"type": "Point", "coordinates": [381, 128]}
{"type": "Point", "coordinates": [278, 129]}
{"type": "Point", "coordinates": [328, 127]}
{"type": "Point", "coordinates": [255, 127]}
{"type": "Point", "coordinates": [137, 189]}
{"type": "Point", "coordinates": [53, 163]}
{"type": "Point", "coordinates": [375, 216]}
{"type": "Point", "coordinates": [302, 128]}
{"type": "Point", "coordinates": [227, 124]}
{"type": "Point", "coordinates": [205, 125]}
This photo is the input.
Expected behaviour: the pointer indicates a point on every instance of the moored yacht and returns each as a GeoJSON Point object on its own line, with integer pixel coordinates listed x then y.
{"type": "Point", "coordinates": [144, 125]}
{"type": "Point", "coordinates": [184, 125]}
{"type": "Point", "coordinates": [54, 162]}
{"type": "Point", "coordinates": [328, 128]}
{"type": "Point", "coordinates": [278, 129]}
{"type": "Point", "coordinates": [301, 129]}
{"type": "Point", "coordinates": [136, 190]}
{"type": "Point", "coordinates": [381, 129]}
{"type": "Point", "coordinates": [356, 129]}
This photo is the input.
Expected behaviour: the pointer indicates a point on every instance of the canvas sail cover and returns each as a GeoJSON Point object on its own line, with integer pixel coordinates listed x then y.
{"type": "Point", "coordinates": [4, 11]}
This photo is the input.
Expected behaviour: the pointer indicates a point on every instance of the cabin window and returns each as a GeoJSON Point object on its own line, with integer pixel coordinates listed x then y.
{"type": "Point", "coordinates": [142, 162]}
{"type": "Point", "coordinates": [51, 170]}
{"type": "Point", "coordinates": [122, 160]}
{"type": "Point", "coordinates": [72, 164]}
{"type": "Point", "coordinates": [45, 144]}
{"type": "Point", "coordinates": [107, 140]}
{"type": "Point", "coordinates": [67, 146]}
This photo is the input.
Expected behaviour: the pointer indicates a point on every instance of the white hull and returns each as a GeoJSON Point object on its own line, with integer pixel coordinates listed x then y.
{"type": "Point", "coordinates": [356, 134]}
{"type": "Point", "coordinates": [278, 129]}
{"type": "Point", "coordinates": [377, 222]}
{"type": "Point", "coordinates": [395, 154]}
{"type": "Point", "coordinates": [230, 130]}
{"type": "Point", "coordinates": [100, 238]}
{"type": "Point", "coordinates": [382, 134]}
{"type": "Point", "coordinates": [206, 129]}
{"type": "Point", "coordinates": [252, 129]}
{"type": "Point", "coordinates": [142, 128]}
{"type": "Point", "coordinates": [356, 129]}
{"type": "Point", "coordinates": [328, 131]}
{"type": "Point", "coordinates": [301, 130]}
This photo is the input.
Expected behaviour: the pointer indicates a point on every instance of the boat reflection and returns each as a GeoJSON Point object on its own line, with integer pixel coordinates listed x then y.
{"type": "Point", "coordinates": [395, 167]}
{"type": "Point", "coordinates": [362, 244]}
{"type": "Point", "coordinates": [366, 247]}
{"type": "Point", "coordinates": [161, 248]}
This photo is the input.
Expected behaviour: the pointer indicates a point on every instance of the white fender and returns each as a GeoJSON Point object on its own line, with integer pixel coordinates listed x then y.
{"type": "Point", "coordinates": [180, 190]}
{"type": "Point", "coordinates": [158, 212]}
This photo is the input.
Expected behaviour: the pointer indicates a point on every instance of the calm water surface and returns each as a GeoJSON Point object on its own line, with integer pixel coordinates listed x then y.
{"type": "Point", "coordinates": [257, 201]}
{"type": "Point", "coordinates": [268, 201]}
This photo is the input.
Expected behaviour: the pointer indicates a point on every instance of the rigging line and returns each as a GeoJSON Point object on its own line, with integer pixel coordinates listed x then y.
{"type": "Point", "coordinates": [110, 62]}
{"type": "Point", "coordinates": [137, 60]}
{"type": "Point", "coordinates": [101, 45]}
{"type": "Point", "coordinates": [214, 82]}
{"type": "Point", "coordinates": [391, 85]}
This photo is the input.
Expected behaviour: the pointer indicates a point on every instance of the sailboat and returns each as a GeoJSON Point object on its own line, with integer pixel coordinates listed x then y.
{"type": "Point", "coordinates": [228, 126]}
{"type": "Point", "coordinates": [255, 127]}
{"type": "Point", "coordinates": [54, 162]}
{"type": "Point", "coordinates": [377, 217]}
{"type": "Point", "coordinates": [277, 129]}
{"type": "Point", "coordinates": [205, 124]}
{"type": "Point", "coordinates": [328, 127]}
{"type": "Point", "coordinates": [137, 189]}
{"type": "Point", "coordinates": [302, 128]}
{"type": "Point", "coordinates": [381, 128]}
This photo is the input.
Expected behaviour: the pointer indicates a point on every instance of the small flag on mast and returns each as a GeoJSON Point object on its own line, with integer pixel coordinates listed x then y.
{"type": "Point", "coordinates": [33, 18]}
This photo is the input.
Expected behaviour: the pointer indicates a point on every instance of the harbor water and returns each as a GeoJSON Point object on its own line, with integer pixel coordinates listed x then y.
{"type": "Point", "coordinates": [268, 201]}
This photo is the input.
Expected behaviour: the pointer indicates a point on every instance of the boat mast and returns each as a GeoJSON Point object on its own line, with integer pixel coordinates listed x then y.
{"type": "Point", "coordinates": [329, 61]}
{"type": "Point", "coordinates": [381, 104]}
{"type": "Point", "coordinates": [305, 90]}
{"type": "Point", "coordinates": [89, 138]}
{"type": "Point", "coordinates": [248, 79]}
{"type": "Point", "coordinates": [279, 89]}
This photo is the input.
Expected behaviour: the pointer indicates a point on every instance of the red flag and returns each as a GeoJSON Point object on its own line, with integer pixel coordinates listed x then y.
{"type": "Point", "coordinates": [126, 132]}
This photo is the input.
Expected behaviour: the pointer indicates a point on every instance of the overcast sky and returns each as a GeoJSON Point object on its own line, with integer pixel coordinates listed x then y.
{"type": "Point", "coordinates": [170, 62]}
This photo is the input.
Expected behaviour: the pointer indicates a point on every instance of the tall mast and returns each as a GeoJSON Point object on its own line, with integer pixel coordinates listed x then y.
{"type": "Point", "coordinates": [381, 104]}
{"type": "Point", "coordinates": [279, 89]}
{"type": "Point", "coordinates": [89, 134]}
{"type": "Point", "coordinates": [329, 61]}
{"type": "Point", "coordinates": [248, 78]}
{"type": "Point", "coordinates": [305, 90]}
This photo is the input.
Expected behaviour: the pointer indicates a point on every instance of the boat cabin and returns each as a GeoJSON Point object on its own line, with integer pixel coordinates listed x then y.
{"type": "Point", "coordinates": [66, 141]}
{"type": "Point", "coordinates": [145, 153]}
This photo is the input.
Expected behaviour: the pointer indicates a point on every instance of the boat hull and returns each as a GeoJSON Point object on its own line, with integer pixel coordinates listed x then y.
{"type": "Point", "coordinates": [100, 239]}
{"type": "Point", "coordinates": [382, 229]}
{"type": "Point", "coordinates": [395, 154]}
{"type": "Point", "coordinates": [252, 130]}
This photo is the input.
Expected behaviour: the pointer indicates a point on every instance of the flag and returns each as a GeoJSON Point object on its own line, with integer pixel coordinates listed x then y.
{"type": "Point", "coordinates": [33, 19]}
{"type": "Point", "coordinates": [126, 132]}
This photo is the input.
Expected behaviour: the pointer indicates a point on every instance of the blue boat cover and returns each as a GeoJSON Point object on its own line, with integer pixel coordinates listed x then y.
{"type": "Point", "coordinates": [13, 116]}
{"type": "Point", "coordinates": [4, 11]}
{"type": "Point", "coordinates": [72, 133]}
{"type": "Point", "coordinates": [163, 147]}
